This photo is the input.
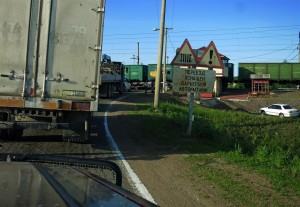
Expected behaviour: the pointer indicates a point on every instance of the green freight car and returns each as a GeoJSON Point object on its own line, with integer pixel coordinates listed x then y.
{"type": "Point", "coordinates": [136, 73]}
{"type": "Point", "coordinates": [278, 71]}
{"type": "Point", "coordinates": [152, 71]}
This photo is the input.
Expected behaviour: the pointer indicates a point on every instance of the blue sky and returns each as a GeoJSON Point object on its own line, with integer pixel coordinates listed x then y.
{"type": "Point", "coordinates": [243, 30]}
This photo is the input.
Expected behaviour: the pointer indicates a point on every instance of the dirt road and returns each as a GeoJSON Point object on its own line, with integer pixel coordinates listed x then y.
{"type": "Point", "coordinates": [164, 172]}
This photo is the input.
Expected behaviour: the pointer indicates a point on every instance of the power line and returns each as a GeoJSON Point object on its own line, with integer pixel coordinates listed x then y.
{"type": "Point", "coordinates": [291, 53]}
{"type": "Point", "coordinates": [255, 56]}
{"type": "Point", "coordinates": [213, 30]}
{"type": "Point", "coordinates": [198, 35]}
{"type": "Point", "coordinates": [241, 28]}
{"type": "Point", "coordinates": [206, 40]}
{"type": "Point", "coordinates": [295, 56]}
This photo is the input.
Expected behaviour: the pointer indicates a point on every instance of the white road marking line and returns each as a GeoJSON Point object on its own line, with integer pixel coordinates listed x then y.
{"type": "Point", "coordinates": [135, 179]}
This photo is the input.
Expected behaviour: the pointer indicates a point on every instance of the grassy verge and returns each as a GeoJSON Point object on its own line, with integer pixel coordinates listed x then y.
{"type": "Point", "coordinates": [268, 146]}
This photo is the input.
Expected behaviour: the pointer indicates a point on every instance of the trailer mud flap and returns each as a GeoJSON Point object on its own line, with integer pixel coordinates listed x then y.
{"type": "Point", "coordinates": [79, 127]}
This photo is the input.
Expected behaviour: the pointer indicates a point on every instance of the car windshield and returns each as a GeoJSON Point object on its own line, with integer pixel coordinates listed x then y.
{"type": "Point", "coordinates": [196, 101]}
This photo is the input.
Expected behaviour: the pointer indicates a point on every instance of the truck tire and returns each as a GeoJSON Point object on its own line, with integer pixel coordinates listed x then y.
{"type": "Point", "coordinates": [110, 90]}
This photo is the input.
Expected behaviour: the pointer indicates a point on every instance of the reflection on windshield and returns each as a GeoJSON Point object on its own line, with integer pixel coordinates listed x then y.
{"type": "Point", "coordinates": [86, 191]}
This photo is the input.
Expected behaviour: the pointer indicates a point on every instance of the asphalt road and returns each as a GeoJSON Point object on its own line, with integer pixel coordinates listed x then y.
{"type": "Point", "coordinates": [49, 142]}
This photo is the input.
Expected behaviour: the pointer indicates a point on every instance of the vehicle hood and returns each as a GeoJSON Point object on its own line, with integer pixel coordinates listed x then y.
{"type": "Point", "coordinates": [36, 184]}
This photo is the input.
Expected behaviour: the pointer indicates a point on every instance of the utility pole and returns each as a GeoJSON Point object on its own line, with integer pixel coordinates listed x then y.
{"type": "Point", "coordinates": [299, 49]}
{"type": "Point", "coordinates": [138, 55]}
{"type": "Point", "coordinates": [133, 58]}
{"type": "Point", "coordinates": [160, 51]}
{"type": "Point", "coordinates": [165, 59]}
{"type": "Point", "coordinates": [165, 55]}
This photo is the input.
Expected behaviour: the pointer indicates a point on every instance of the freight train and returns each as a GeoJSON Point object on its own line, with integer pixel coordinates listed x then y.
{"type": "Point", "coordinates": [136, 74]}
{"type": "Point", "coordinates": [280, 75]}
{"type": "Point", "coordinates": [279, 72]}
{"type": "Point", "coordinates": [141, 74]}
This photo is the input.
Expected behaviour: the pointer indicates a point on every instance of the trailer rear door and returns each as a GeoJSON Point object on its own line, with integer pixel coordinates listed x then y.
{"type": "Point", "coordinates": [14, 35]}
{"type": "Point", "coordinates": [50, 50]}
{"type": "Point", "coordinates": [70, 71]}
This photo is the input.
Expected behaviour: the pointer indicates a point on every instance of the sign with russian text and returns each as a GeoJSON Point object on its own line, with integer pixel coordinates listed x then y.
{"type": "Point", "coordinates": [191, 80]}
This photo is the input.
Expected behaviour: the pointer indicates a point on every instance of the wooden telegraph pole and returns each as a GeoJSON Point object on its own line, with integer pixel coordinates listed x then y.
{"type": "Point", "coordinates": [160, 52]}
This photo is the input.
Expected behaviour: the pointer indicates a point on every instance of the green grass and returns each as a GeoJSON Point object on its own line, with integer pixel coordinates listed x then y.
{"type": "Point", "coordinates": [235, 187]}
{"type": "Point", "coordinates": [267, 145]}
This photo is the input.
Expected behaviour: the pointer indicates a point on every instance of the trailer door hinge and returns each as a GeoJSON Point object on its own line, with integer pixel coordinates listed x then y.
{"type": "Point", "coordinates": [98, 10]}
{"type": "Point", "coordinates": [96, 47]}
{"type": "Point", "coordinates": [95, 86]}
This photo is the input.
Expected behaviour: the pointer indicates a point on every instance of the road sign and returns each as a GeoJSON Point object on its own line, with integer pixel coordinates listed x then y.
{"type": "Point", "coordinates": [211, 57]}
{"type": "Point", "coordinates": [191, 80]}
{"type": "Point", "coordinates": [185, 55]}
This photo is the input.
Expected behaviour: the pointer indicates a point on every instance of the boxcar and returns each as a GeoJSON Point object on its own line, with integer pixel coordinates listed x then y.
{"type": "Point", "coordinates": [278, 71]}
{"type": "Point", "coordinates": [152, 70]}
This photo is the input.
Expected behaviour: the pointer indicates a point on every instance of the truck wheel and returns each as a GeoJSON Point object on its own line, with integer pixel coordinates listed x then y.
{"type": "Point", "coordinates": [110, 91]}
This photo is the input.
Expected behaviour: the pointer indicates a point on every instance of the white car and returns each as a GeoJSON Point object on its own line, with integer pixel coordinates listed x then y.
{"type": "Point", "coordinates": [127, 85]}
{"type": "Point", "coordinates": [282, 110]}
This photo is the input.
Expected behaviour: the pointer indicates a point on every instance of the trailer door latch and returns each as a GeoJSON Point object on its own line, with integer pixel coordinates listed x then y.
{"type": "Point", "coordinates": [12, 75]}
{"type": "Point", "coordinates": [58, 79]}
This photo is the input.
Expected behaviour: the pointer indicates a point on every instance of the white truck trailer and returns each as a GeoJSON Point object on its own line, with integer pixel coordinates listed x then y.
{"type": "Point", "coordinates": [50, 63]}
